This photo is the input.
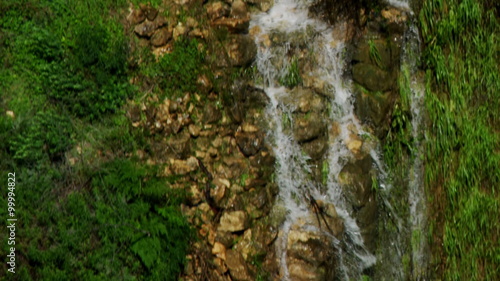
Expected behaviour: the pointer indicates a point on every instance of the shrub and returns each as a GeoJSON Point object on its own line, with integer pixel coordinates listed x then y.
{"type": "Point", "coordinates": [46, 136]}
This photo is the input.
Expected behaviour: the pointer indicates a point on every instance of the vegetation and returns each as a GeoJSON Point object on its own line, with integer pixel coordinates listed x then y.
{"type": "Point", "coordinates": [86, 208]}
{"type": "Point", "coordinates": [291, 77]}
{"type": "Point", "coordinates": [176, 72]}
{"type": "Point", "coordinates": [462, 174]}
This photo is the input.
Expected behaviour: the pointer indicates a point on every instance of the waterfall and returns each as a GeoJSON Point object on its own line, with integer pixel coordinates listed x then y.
{"type": "Point", "coordinates": [282, 34]}
{"type": "Point", "coordinates": [289, 18]}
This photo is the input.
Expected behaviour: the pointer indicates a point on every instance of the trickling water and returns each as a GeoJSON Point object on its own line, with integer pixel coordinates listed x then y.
{"type": "Point", "coordinates": [416, 191]}
{"type": "Point", "coordinates": [288, 18]}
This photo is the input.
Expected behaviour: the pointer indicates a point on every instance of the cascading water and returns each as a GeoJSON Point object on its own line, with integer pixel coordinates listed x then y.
{"type": "Point", "coordinates": [293, 172]}
{"type": "Point", "coordinates": [416, 190]}
{"type": "Point", "coordinates": [282, 34]}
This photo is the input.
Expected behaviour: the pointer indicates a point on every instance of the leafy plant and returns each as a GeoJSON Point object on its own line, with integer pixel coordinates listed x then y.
{"type": "Point", "coordinates": [291, 76]}
{"type": "Point", "coordinates": [46, 136]}
{"type": "Point", "coordinates": [374, 53]}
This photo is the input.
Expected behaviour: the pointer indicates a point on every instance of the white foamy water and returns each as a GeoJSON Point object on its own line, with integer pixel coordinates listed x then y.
{"type": "Point", "coordinates": [292, 171]}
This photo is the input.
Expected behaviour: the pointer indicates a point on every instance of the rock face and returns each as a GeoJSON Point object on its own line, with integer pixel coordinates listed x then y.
{"type": "Point", "coordinates": [211, 142]}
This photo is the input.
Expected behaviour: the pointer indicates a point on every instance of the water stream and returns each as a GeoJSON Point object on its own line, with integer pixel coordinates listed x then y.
{"type": "Point", "coordinates": [282, 34]}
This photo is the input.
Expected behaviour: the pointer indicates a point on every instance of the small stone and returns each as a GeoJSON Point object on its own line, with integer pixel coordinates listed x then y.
{"type": "Point", "coordinates": [249, 128]}
{"type": "Point", "coordinates": [233, 221]}
{"type": "Point", "coordinates": [136, 17]}
{"type": "Point", "coordinates": [145, 29]}
{"type": "Point", "coordinates": [161, 37]}
{"type": "Point", "coordinates": [179, 30]}
{"type": "Point", "coordinates": [239, 9]}
{"type": "Point", "coordinates": [194, 130]}
{"type": "Point", "coordinates": [10, 113]}
{"type": "Point", "coordinates": [238, 268]}
{"type": "Point", "coordinates": [149, 11]}
{"type": "Point", "coordinates": [182, 167]}
{"type": "Point", "coordinates": [219, 250]}
{"type": "Point", "coordinates": [191, 22]}
{"type": "Point", "coordinates": [233, 25]}
{"type": "Point", "coordinates": [217, 10]}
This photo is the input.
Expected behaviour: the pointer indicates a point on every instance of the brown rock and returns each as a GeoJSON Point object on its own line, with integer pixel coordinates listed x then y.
{"type": "Point", "coordinates": [233, 221]}
{"type": "Point", "coordinates": [149, 11]}
{"type": "Point", "coordinates": [161, 37]}
{"type": "Point", "coordinates": [238, 268]}
{"type": "Point", "coordinates": [217, 10]}
{"type": "Point", "coordinates": [233, 25]}
{"type": "Point", "coordinates": [239, 9]}
{"type": "Point", "coordinates": [136, 17]}
{"type": "Point", "coordinates": [145, 29]}
{"type": "Point", "coordinates": [249, 143]}
{"type": "Point", "coordinates": [241, 50]}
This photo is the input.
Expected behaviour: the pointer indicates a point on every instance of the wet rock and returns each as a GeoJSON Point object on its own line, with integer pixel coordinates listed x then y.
{"type": "Point", "coordinates": [238, 268]}
{"type": "Point", "coordinates": [315, 148]}
{"type": "Point", "coordinates": [308, 126]}
{"type": "Point", "coordinates": [362, 53]}
{"type": "Point", "coordinates": [263, 5]}
{"type": "Point", "coordinates": [310, 255]}
{"type": "Point", "coordinates": [305, 100]}
{"type": "Point", "coordinates": [372, 77]}
{"type": "Point", "coordinates": [374, 109]}
{"type": "Point", "coordinates": [161, 37]}
{"type": "Point", "coordinates": [249, 143]}
{"type": "Point", "coordinates": [217, 10]}
{"type": "Point", "coordinates": [356, 180]}
{"type": "Point", "coordinates": [241, 50]}
{"type": "Point", "coordinates": [233, 221]}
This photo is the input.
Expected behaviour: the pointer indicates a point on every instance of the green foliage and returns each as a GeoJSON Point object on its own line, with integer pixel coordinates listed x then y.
{"type": "Point", "coordinates": [46, 136]}
{"type": "Point", "coordinates": [374, 53]}
{"type": "Point", "coordinates": [67, 54]}
{"type": "Point", "coordinates": [462, 151]}
{"type": "Point", "coordinates": [85, 212]}
{"type": "Point", "coordinates": [178, 71]}
{"type": "Point", "coordinates": [291, 77]}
